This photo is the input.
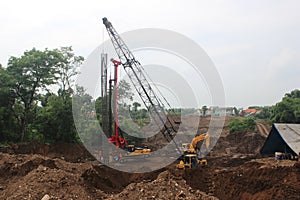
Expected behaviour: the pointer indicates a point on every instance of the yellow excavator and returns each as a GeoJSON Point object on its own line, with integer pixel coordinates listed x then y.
{"type": "Point", "coordinates": [190, 155]}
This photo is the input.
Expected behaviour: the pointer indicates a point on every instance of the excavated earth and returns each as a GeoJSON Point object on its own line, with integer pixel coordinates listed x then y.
{"type": "Point", "coordinates": [68, 171]}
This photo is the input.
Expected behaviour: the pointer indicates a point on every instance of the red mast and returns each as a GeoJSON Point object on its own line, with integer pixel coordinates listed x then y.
{"type": "Point", "coordinates": [116, 139]}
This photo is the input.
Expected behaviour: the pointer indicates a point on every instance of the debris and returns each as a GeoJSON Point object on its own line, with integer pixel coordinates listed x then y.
{"type": "Point", "coordinates": [46, 197]}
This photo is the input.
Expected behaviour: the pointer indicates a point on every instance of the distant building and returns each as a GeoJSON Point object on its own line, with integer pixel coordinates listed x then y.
{"type": "Point", "coordinates": [249, 112]}
{"type": "Point", "coordinates": [219, 111]}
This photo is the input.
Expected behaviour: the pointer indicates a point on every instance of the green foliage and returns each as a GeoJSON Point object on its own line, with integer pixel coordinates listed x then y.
{"type": "Point", "coordinates": [67, 70]}
{"type": "Point", "coordinates": [124, 92]}
{"type": "Point", "coordinates": [8, 124]}
{"type": "Point", "coordinates": [246, 124]}
{"type": "Point", "coordinates": [29, 74]}
{"type": "Point", "coordinates": [55, 120]}
{"type": "Point", "coordinates": [265, 113]}
{"type": "Point", "coordinates": [288, 110]}
{"type": "Point", "coordinates": [204, 109]}
{"type": "Point", "coordinates": [26, 112]}
{"type": "Point", "coordinates": [174, 111]}
{"type": "Point", "coordinates": [140, 116]}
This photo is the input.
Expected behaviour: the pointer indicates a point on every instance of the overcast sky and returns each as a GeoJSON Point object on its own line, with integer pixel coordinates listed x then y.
{"type": "Point", "coordinates": [255, 45]}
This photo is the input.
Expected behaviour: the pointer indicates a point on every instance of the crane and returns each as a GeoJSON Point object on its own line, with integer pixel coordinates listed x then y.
{"type": "Point", "coordinates": [137, 75]}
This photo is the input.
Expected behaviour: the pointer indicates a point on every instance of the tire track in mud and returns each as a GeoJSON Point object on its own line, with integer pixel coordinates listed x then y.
{"type": "Point", "coordinates": [262, 129]}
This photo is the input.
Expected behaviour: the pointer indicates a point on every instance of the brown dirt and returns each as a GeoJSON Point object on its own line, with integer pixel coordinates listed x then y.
{"type": "Point", "coordinates": [166, 186]}
{"type": "Point", "coordinates": [67, 151]}
{"type": "Point", "coordinates": [67, 171]}
{"type": "Point", "coordinates": [263, 128]}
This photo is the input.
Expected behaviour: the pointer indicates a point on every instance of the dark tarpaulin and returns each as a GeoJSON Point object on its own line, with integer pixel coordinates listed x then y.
{"type": "Point", "coordinates": [282, 138]}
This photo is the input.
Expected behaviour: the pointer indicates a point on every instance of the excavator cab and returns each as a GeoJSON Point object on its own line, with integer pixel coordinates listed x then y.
{"type": "Point", "coordinates": [191, 161]}
{"type": "Point", "coordinates": [185, 146]}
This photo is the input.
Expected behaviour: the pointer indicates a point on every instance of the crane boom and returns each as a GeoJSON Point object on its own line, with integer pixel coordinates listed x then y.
{"type": "Point", "coordinates": [136, 74]}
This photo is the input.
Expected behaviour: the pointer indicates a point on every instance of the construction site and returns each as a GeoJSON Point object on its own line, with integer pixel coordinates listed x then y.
{"type": "Point", "coordinates": [235, 170]}
{"type": "Point", "coordinates": [257, 164]}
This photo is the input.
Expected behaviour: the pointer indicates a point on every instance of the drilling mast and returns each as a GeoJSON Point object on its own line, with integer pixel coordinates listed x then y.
{"type": "Point", "coordinates": [137, 75]}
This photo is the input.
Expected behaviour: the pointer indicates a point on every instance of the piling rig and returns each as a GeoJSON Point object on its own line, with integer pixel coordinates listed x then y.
{"type": "Point", "coordinates": [140, 80]}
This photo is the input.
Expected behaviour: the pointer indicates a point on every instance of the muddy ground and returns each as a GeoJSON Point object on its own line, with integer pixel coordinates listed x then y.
{"type": "Point", "coordinates": [68, 171]}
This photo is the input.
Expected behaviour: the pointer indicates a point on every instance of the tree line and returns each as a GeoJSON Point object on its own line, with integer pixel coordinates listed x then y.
{"type": "Point", "coordinates": [285, 111]}
{"type": "Point", "coordinates": [36, 99]}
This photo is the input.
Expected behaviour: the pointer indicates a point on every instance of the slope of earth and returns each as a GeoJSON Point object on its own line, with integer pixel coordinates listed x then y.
{"type": "Point", "coordinates": [256, 179]}
{"type": "Point", "coordinates": [33, 176]}
{"type": "Point", "coordinates": [68, 171]}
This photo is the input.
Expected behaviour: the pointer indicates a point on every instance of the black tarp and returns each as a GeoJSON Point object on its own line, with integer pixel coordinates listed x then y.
{"type": "Point", "coordinates": [282, 138]}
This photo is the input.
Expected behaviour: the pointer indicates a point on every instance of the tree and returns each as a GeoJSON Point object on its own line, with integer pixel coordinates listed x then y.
{"type": "Point", "coordinates": [204, 110]}
{"type": "Point", "coordinates": [56, 116]}
{"type": "Point", "coordinates": [55, 120]}
{"type": "Point", "coordinates": [135, 106]}
{"type": "Point", "coordinates": [124, 92]}
{"type": "Point", "coordinates": [288, 110]}
{"type": "Point", "coordinates": [31, 73]}
{"type": "Point", "coordinates": [7, 121]}
{"type": "Point", "coordinates": [294, 94]}
{"type": "Point", "coordinates": [265, 113]}
{"type": "Point", "coordinates": [247, 124]}
{"type": "Point", "coordinates": [67, 70]}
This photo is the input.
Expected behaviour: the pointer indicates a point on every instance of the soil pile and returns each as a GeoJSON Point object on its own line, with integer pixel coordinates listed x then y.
{"type": "Point", "coordinates": [113, 181]}
{"type": "Point", "coordinates": [263, 178]}
{"type": "Point", "coordinates": [67, 151]}
{"type": "Point", "coordinates": [166, 187]}
{"type": "Point", "coordinates": [34, 176]}
{"type": "Point", "coordinates": [237, 143]}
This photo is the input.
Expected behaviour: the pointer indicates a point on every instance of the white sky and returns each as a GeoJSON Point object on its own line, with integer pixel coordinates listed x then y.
{"type": "Point", "coordinates": [255, 45]}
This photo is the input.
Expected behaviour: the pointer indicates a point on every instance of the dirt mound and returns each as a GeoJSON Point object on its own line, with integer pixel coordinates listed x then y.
{"type": "Point", "coordinates": [33, 176]}
{"type": "Point", "coordinates": [72, 152]}
{"type": "Point", "coordinates": [256, 179]}
{"type": "Point", "coordinates": [43, 180]}
{"type": "Point", "coordinates": [166, 186]}
{"type": "Point", "coordinates": [239, 142]}
{"type": "Point", "coordinates": [111, 181]}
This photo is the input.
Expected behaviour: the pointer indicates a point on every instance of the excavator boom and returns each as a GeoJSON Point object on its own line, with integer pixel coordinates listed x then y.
{"type": "Point", "coordinates": [199, 138]}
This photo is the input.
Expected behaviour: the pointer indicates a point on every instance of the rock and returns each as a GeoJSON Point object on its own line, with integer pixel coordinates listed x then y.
{"type": "Point", "coordinates": [46, 197]}
{"type": "Point", "coordinates": [180, 195]}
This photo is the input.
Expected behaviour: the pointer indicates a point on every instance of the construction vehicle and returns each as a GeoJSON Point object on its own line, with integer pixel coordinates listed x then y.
{"type": "Point", "coordinates": [118, 137]}
{"type": "Point", "coordinates": [190, 157]}
{"type": "Point", "coordinates": [141, 82]}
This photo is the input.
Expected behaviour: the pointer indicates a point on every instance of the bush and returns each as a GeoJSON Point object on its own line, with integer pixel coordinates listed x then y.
{"type": "Point", "coordinates": [247, 124]}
